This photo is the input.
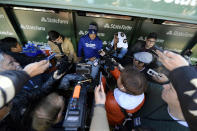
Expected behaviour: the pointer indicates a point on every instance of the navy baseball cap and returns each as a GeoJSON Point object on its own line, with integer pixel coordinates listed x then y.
{"type": "Point", "coordinates": [92, 29]}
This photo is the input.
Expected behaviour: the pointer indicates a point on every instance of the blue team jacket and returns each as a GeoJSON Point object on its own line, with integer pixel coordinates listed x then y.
{"type": "Point", "coordinates": [89, 47]}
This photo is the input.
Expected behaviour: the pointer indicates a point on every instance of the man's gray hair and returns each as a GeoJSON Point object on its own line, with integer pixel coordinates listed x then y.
{"type": "Point", "coordinates": [1, 57]}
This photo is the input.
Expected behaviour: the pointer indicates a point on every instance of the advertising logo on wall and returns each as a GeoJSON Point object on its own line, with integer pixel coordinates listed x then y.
{"type": "Point", "coordinates": [53, 20]}
{"type": "Point", "coordinates": [6, 28]}
{"type": "Point", "coordinates": [106, 27]}
{"type": "Point", "coordinates": [35, 25]}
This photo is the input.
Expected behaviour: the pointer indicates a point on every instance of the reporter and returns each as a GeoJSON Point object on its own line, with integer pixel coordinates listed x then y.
{"type": "Point", "coordinates": [162, 110]}
{"type": "Point", "coordinates": [11, 82]}
{"type": "Point", "coordinates": [12, 47]}
{"type": "Point", "coordinates": [27, 102]}
{"type": "Point", "coordinates": [184, 79]}
{"type": "Point", "coordinates": [99, 119]}
{"type": "Point", "coordinates": [48, 112]}
{"type": "Point", "coordinates": [61, 45]}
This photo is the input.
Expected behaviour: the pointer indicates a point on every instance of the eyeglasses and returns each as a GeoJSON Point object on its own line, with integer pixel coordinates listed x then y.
{"type": "Point", "coordinates": [151, 41]}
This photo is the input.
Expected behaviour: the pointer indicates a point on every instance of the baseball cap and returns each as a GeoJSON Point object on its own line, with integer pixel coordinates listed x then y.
{"type": "Point", "coordinates": [92, 29]}
{"type": "Point", "coordinates": [144, 57]}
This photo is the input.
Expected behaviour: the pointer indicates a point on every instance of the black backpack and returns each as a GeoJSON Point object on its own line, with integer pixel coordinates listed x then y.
{"type": "Point", "coordinates": [130, 122]}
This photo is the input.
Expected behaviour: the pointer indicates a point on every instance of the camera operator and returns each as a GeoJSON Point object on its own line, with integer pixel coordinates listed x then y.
{"type": "Point", "coordinates": [183, 78]}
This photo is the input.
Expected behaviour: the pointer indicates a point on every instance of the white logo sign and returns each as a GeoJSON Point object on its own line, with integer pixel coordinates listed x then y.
{"type": "Point", "coordinates": [179, 33]}
{"type": "Point", "coordinates": [38, 43]}
{"type": "Point", "coordinates": [81, 32]}
{"type": "Point", "coordinates": [118, 27]}
{"type": "Point", "coordinates": [31, 27]}
{"type": "Point", "coordinates": [6, 33]}
{"type": "Point", "coordinates": [180, 2]}
{"type": "Point", "coordinates": [53, 20]}
{"type": "Point", "coordinates": [90, 45]}
{"type": "Point", "coordinates": [193, 59]}
{"type": "Point", "coordinates": [1, 16]}
{"type": "Point", "coordinates": [104, 42]}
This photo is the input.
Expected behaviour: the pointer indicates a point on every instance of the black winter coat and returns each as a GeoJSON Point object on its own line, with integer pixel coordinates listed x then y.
{"type": "Point", "coordinates": [19, 118]}
{"type": "Point", "coordinates": [184, 80]}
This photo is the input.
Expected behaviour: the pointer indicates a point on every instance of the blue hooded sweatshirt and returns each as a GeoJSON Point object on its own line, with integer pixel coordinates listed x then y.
{"type": "Point", "coordinates": [89, 47]}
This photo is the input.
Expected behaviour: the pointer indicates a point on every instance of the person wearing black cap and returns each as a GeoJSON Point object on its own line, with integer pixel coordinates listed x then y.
{"type": "Point", "coordinates": [89, 45]}
{"type": "Point", "coordinates": [61, 45]}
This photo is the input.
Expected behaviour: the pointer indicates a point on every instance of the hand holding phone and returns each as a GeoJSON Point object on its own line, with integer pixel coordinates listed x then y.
{"type": "Point", "coordinates": [101, 52]}
{"type": "Point", "coordinates": [159, 48]}
{"type": "Point", "coordinates": [51, 56]}
{"type": "Point", "coordinates": [162, 78]}
{"type": "Point", "coordinates": [151, 72]}
{"type": "Point", "coordinates": [100, 96]}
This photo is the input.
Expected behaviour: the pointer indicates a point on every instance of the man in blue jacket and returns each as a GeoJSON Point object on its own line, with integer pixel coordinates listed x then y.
{"type": "Point", "coordinates": [89, 45]}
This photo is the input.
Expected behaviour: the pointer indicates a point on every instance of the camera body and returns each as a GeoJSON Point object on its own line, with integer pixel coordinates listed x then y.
{"type": "Point", "coordinates": [76, 114]}
{"type": "Point", "coordinates": [51, 56]}
{"type": "Point", "coordinates": [83, 68]}
{"type": "Point", "coordinates": [75, 118]}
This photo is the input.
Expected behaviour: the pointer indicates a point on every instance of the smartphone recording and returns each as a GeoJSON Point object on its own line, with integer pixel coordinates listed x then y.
{"type": "Point", "coordinates": [51, 56]}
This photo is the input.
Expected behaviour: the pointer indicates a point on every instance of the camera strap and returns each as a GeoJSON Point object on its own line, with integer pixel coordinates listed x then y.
{"type": "Point", "coordinates": [134, 121]}
{"type": "Point", "coordinates": [59, 47]}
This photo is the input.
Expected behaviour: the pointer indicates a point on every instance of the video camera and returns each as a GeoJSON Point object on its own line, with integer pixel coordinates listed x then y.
{"type": "Point", "coordinates": [108, 61]}
{"type": "Point", "coordinates": [76, 114]}
{"type": "Point", "coordinates": [83, 68]}
{"type": "Point", "coordinates": [64, 65]}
